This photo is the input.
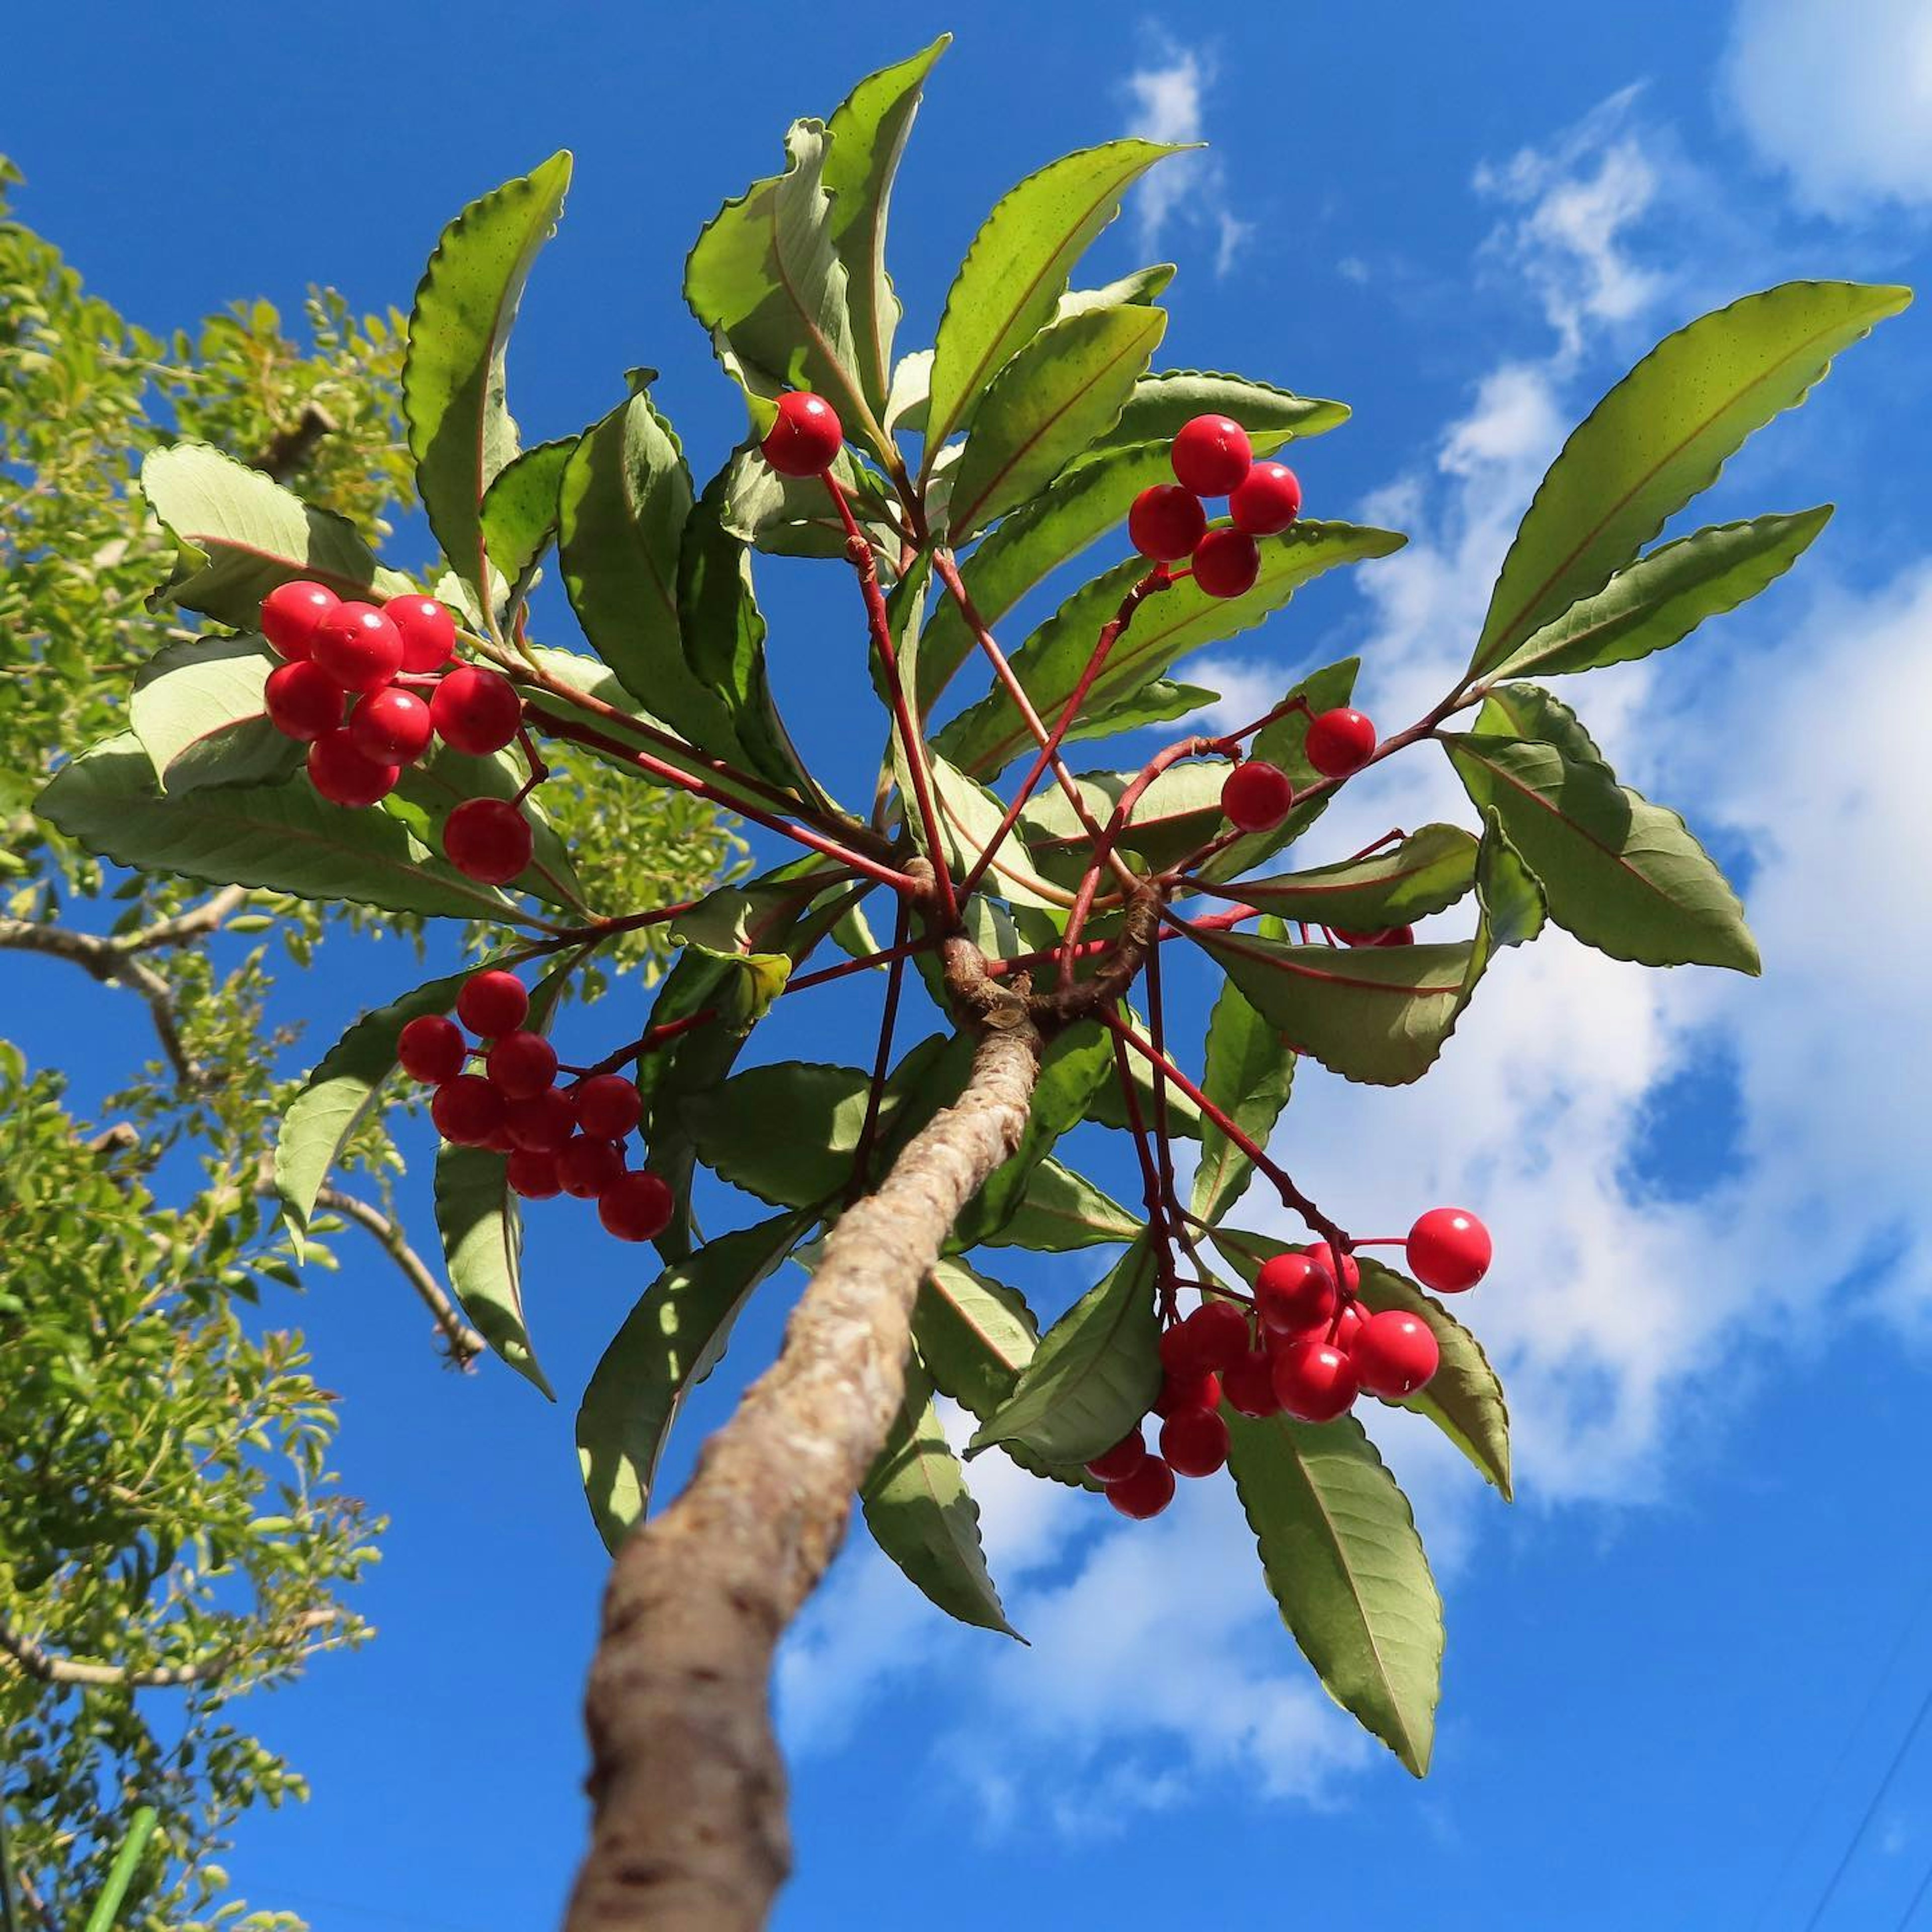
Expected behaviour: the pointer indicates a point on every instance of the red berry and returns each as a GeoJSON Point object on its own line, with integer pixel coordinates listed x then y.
{"type": "Point", "coordinates": [358, 646]}
{"type": "Point", "coordinates": [806, 437]}
{"type": "Point", "coordinates": [302, 700]}
{"type": "Point", "coordinates": [488, 839]}
{"type": "Point", "coordinates": [608, 1106]}
{"type": "Point", "coordinates": [344, 775]}
{"type": "Point", "coordinates": [1348, 1325]}
{"type": "Point", "coordinates": [1389, 935]}
{"type": "Point", "coordinates": [1187, 1391]}
{"type": "Point", "coordinates": [1338, 742]}
{"type": "Point", "coordinates": [1256, 795]}
{"type": "Point", "coordinates": [1166, 522]}
{"type": "Point", "coordinates": [1294, 1293]}
{"type": "Point", "coordinates": [1267, 500]}
{"type": "Point", "coordinates": [1393, 1354]}
{"type": "Point", "coordinates": [1212, 455]}
{"type": "Point", "coordinates": [467, 1110]}
{"type": "Point", "coordinates": [1323, 1256]}
{"type": "Point", "coordinates": [290, 612]}
{"type": "Point", "coordinates": [1117, 1464]}
{"type": "Point", "coordinates": [635, 1207]}
{"type": "Point", "coordinates": [1146, 1492]}
{"type": "Point", "coordinates": [1250, 1385]}
{"type": "Point", "coordinates": [1226, 562]}
{"type": "Point", "coordinates": [1194, 1442]}
{"type": "Point", "coordinates": [431, 1048]}
{"type": "Point", "coordinates": [476, 710]}
{"type": "Point", "coordinates": [428, 631]}
{"type": "Point", "coordinates": [1449, 1250]}
{"type": "Point", "coordinates": [492, 1002]}
{"type": "Point", "coordinates": [586, 1167]}
{"type": "Point", "coordinates": [1315, 1381]}
{"type": "Point", "coordinates": [390, 726]}
{"type": "Point", "coordinates": [542, 1122]}
{"type": "Point", "coordinates": [1213, 1336]}
{"type": "Point", "coordinates": [522, 1065]}
{"type": "Point", "coordinates": [531, 1172]}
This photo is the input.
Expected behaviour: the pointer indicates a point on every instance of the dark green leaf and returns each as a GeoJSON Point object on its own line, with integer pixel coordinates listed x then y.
{"type": "Point", "coordinates": [1061, 1211]}
{"type": "Point", "coordinates": [1159, 702]}
{"type": "Point", "coordinates": [482, 1244]}
{"type": "Point", "coordinates": [975, 1334]}
{"type": "Point", "coordinates": [1246, 1073]}
{"type": "Point", "coordinates": [1431, 868]}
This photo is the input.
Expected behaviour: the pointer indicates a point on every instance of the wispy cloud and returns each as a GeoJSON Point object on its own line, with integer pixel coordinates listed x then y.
{"type": "Point", "coordinates": [1166, 101]}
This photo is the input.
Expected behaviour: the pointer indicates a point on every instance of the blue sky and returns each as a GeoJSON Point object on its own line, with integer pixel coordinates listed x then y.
{"type": "Point", "coordinates": [1676, 1673]}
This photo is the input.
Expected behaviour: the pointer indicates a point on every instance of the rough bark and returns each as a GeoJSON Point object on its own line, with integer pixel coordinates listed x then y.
{"type": "Point", "coordinates": [688, 1833]}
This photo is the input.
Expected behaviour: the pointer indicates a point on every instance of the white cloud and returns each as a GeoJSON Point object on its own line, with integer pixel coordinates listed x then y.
{"type": "Point", "coordinates": [1166, 101]}
{"type": "Point", "coordinates": [1838, 94]}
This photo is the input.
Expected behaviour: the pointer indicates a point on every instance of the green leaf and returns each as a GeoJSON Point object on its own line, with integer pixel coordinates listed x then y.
{"type": "Point", "coordinates": [1158, 703]}
{"type": "Point", "coordinates": [198, 710]}
{"type": "Point", "coordinates": [974, 1334]}
{"type": "Point", "coordinates": [868, 132]}
{"type": "Point", "coordinates": [1247, 1074]}
{"type": "Point", "coordinates": [1342, 1559]}
{"type": "Point", "coordinates": [1162, 402]}
{"type": "Point", "coordinates": [1061, 1211]}
{"type": "Point", "coordinates": [1431, 868]}
{"type": "Point", "coordinates": [1515, 908]}
{"type": "Point", "coordinates": [482, 1233]}
{"type": "Point", "coordinates": [923, 1517]}
{"type": "Point", "coordinates": [241, 533]}
{"type": "Point", "coordinates": [1016, 270]}
{"type": "Point", "coordinates": [1660, 436]}
{"type": "Point", "coordinates": [1064, 390]}
{"type": "Point", "coordinates": [969, 814]}
{"type": "Point", "coordinates": [1622, 874]}
{"type": "Point", "coordinates": [669, 1343]}
{"type": "Point", "coordinates": [460, 430]}
{"type": "Point", "coordinates": [786, 1132]}
{"type": "Point", "coordinates": [1663, 597]}
{"type": "Point", "coordinates": [1109, 1109]}
{"type": "Point", "coordinates": [1096, 1373]}
{"type": "Point", "coordinates": [520, 511]}
{"type": "Point", "coordinates": [1143, 286]}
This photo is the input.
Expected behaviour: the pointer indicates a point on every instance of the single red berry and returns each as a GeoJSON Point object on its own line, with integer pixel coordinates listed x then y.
{"type": "Point", "coordinates": [428, 631]}
{"type": "Point", "coordinates": [390, 726]}
{"type": "Point", "coordinates": [1226, 562]}
{"type": "Point", "coordinates": [1388, 935]}
{"type": "Point", "coordinates": [1117, 1464]}
{"type": "Point", "coordinates": [1250, 1385]}
{"type": "Point", "coordinates": [1194, 1442]}
{"type": "Point", "coordinates": [1347, 1325]}
{"type": "Point", "coordinates": [1294, 1294]}
{"type": "Point", "coordinates": [1217, 1334]}
{"type": "Point", "coordinates": [608, 1106]}
{"type": "Point", "coordinates": [1166, 522]}
{"type": "Point", "coordinates": [290, 612]}
{"type": "Point", "coordinates": [1146, 1492]}
{"type": "Point", "coordinates": [1256, 795]}
{"type": "Point", "coordinates": [531, 1173]}
{"type": "Point", "coordinates": [344, 775]}
{"type": "Point", "coordinates": [467, 1110]}
{"type": "Point", "coordinates": [542, 1122]}
{"type": "Point", "coordinates": [635, 1206]}
{"type": "Point", "coordinates": [500, 1142]}
{"type": "Point", "coordinates": [1266, 500]}
{"type": "Point", "coordinates": [1339, 741]}
{"type": "Point", "coordinates": [1449, 1250]}
{"type": "Point", "coordinates": [1211, 455]}
{"type": "Point", "coordinates": [431, 1048]}
{"type": "Point", "coordinates": [522, 1065]}
{"type": "Point", "coordinates": [487, 839]}
{"type": "Point", "coordinates": [1315, 1380]}
{"type": "Point", "coordinates": [1394, 1354]}
{"type": "Point", "coordinates": [586, 1167]}
{"type": "Point", "coordinates": [1323, 1256]}
{"type": "Point", "coordinates": [302, 700]}
{"type": "Point", "coordinates": [492, 1002]}
{"type": "Point", "coordinates": [1187, 1391]}
{"type": "Point", "coordinates": [358, 646]}
{"type": "Point", "coordinates": [806, 438]}
{"type": "Point", "coordinates": [476, 710]}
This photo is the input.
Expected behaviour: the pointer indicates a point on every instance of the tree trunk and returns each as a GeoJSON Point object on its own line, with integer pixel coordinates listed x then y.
{"type": "Point", "coordinates": [689, 1833]}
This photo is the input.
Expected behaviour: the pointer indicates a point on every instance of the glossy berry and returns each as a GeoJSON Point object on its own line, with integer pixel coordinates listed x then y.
{"type": "Point", "coordinates": [532, 1173]}
{"type": "Point", "coordinates": [1449, 1250]}
{"type": "Point", "coordinates": [389, 726]}
{"type": "Point", "coordinates": [493, 1003]}
{"type": "Point", "coordinates": [1211, 455]}
{"type": "Point", "coordinates": [1347, 1325]}
{"type": "Point", "coordinates": [1294, 1293]}
{"type": "Point", "coordinates": [1146, 1492]}
{"type": "Point", "coordinates": [1393, 1354]}
{"type": "Point", "coordinates": [1388, 935]}
{"type": "Point", "coordinates": [428, 631]}
{"type": "Point", "coordinates": [1213, 1336]}
{"type": "Point", "coordinates": [806, 438]}
{"type": "Point", "coordinates": [1316, 1382]}
{"type": "Point", "coordinates": [431, 1048]}
{"type": "Point", "coordinates": [1117, 1464]}
{"type": "Point", "coordinates": [1250, 1384]}
{"type": "Point", "coordinates": [1226, 562]}
{"type": "Point", "coordinates": [302, 700]}
{"type": "Point", "coordinates": [1166, 522]}
{"type": "Point", "coordinates": [1187, 1391]}
{"type": "Point", "coordinates": [1255, 795]}
{"type": "Point", "coordinates": [542, 1122]}
{"type": "Point", "coordinates": [476, 710]}
{"type": "Point", "coordinates": [487, 839]}
{"type": "Point", "coordinates": [608, 1106]}
{"type": "Point", "coordinates": [522, 1065]}
{"type": "Point", "coordinates": [358, 646]}
{"type": "Point", "coordinates": [500, 1142]}
{"type": "Point", "coordinates": [635, 1207]}
{"type": "Point", "coordinates": [344, 775]}
{"type": "Point", "coordinates": [1267, 500]}
{"type": "Point", "coordinates": [1339, 741]}
{"type": "Point", "coordinates": [467, 1110]}
{"type": "Point", "coordinates": [1194, 1442]}
{"type": "Point", "coordinates": [586, 1167]}
{"type": "Point", "coordinates": [290, 612]}
{"type": "Point", "coordinates": [1323, 1256]}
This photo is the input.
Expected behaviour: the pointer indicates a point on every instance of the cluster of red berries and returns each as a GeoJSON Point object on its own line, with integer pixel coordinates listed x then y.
{"type": "Point", "coordinates": [1306, 1348]}
{"type": "Point", "coordinates": [376, 663]}
{"type": "Point", "coordinates": [560, 1140]}
{"type": "Point", "coordinates": [1257, 795]}
{"type": "Point", "coordinates": [1212, 456]}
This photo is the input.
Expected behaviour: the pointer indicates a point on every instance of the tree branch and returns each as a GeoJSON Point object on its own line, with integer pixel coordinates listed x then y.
{"type": "Point", "coordinates": [38, 1661]}
{"type": "Point", "coordinates": [465, 1344]}
{"type": "Point", "coordinates": [110, 963]}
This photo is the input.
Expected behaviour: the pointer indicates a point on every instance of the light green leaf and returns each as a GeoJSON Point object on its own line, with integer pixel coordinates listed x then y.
{"type": "Point", "coordinates": [1061, 1211]}
{"type": "Point", "coordinates": [969, 815]}
{"type": "Point", "coordinates": [1143, 286]}
{"type": "Point", "coordinates": [1247, 1073]}
{"type": "Point", "coordinates": [1162, 402]}
{"type": "Point", "coordinates": [482, 1232]}
{"type": "Point", "coordinates": [1514, 906]}
{"type": "Point", "coordinates": [1431, 868]}
{"type": "Point", "coordinates": [786, 1132]}
{"type": "Point", "coordinates": [519, 512]}
{"type": "Point", "coordinates": [1159, 702]}
{"type": "Point", "coordinates": [1109, 1109]}
{"type": "Point", "coordinates": [198, 710]}
{"type": "Point", "coordinates": [974, 1334]}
